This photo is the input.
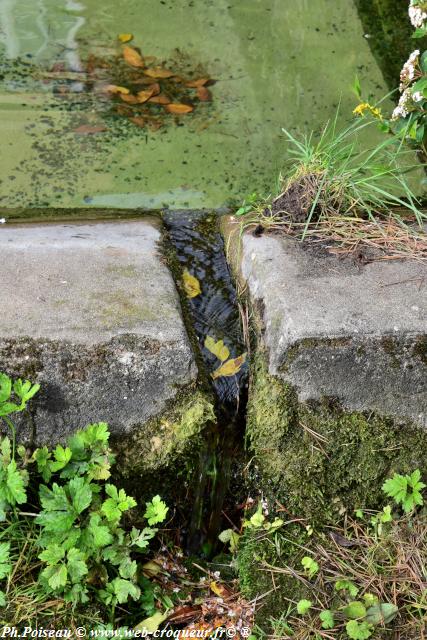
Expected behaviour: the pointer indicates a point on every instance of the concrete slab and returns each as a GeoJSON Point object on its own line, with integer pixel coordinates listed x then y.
{"type": "Point", "coordinates": [334, 328]}
{"type": "Point", "coordinates": [90, 311]}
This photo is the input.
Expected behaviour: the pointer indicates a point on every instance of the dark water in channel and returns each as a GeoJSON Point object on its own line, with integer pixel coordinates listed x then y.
{"type": "Point", "coordinates": [199, 248]}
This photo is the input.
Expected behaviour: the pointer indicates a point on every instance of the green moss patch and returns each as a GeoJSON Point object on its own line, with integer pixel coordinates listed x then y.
{"type": "Point", "coordinates": [166, 448]}
{"type": "Point", "coordinates": [319, 460]}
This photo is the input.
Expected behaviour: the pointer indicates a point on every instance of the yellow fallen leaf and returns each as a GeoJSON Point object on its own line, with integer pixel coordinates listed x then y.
{"type": "Point", "coordinates": [125, 37]}
{"type": "Point", "coordinates": [229, 368]}
{"type": "Point", "coordinates": [113, 88]}
{"type": "Point", "coordinates": [151, 624]}
{"type": "Point", "coordinates": [191, 284]}
{"type": "Point", "coordinates": [132, 57]}
{"type": "Point", "coordinates": [219, 349]}
{"type": "Point", "coordinates": [218, 589]}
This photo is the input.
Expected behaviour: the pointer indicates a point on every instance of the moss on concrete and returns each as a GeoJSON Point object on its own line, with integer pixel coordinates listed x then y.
{"type": "Point", "coordinates": [162, 453]}
{"type": "Point", "coordinates": [319, 460]}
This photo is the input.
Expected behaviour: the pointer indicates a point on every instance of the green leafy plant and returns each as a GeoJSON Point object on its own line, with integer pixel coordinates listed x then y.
{"type": "Point", "coordinates": [405, 490]}
{"type": "Point", "coordinates": [84, 549]}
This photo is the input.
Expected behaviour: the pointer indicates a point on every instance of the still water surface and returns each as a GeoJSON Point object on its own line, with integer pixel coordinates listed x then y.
{"type": "Point", "coordinates": [276, 63]}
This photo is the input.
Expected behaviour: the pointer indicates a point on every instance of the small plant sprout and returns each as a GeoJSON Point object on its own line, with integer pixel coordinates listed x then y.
{"type": "Point", "coordinates": [303, 606]}
{"type": "Point", "coordinates": [358, 630]}
{"type": "Point", "coordinates": [405, 490]}
{"type": "Point", "coordinates": [327, 618]}
{"type": "Point", "coordinates": [311, 567]}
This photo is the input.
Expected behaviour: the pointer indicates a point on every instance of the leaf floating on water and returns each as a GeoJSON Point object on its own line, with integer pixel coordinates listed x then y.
{"type": "Point", "coordinates": [160, 99]}
{"type": "Point", "coordinates": [113, 88]}
{"type": "Point", "coordinates": [200, 82]}
{"type": "Point", "coordinates": [177, 107]}
{"type": "Point", "coordinates": [140, 122]}
{"type": "Point", "coordinates": [219, 349]}
{"type": "Point", "coordinates": [204, 94]}
{"type": "Point", "coordinates": [158, 72]}
{"type": "Point", "coordinates": [132, 57]}
{"type": "Point", "coordinates": [125, 37]}
{"type": "Point", "coordinates": [86, 129]}
{"type": "Point", "coordinates": [191, 284]}
{"type": "Point", "coordinates": [229, 368]}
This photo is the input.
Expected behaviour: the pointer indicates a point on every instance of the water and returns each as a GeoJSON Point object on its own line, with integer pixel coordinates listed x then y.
{"type": "Point", "coordinates": [214, 313]}
{"type": "Point", "coordinates": [272, 61]}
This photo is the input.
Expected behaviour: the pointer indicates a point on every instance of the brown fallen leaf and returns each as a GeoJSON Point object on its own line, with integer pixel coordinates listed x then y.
{"type": "Point", "coordinates": [158, 72]}
{"type": "Point", "coordinates": [229, 368]}
{"type": "Point", "coordinates": [204, 94]}
{"type": "Point", "coordinates": [132, 57]}
{"type": "Point", "coordinates": [178, 108]}
{"type": "Point", "coordinates": [86, 129]}
{"type": "Point", "coordinates": [184, 614]}
{"type": "Point", "coordinates": [113, 88]}
{"type": "Point", "coordinates": [143, 96]}
{"type": "Point", "coordinates": [125, 37]}
{"type": "Point", "coordinates": [160, 99]}
{"type": "Point", "coordinates": [200, 82]}
{"type": "Point", "coordinates": [155, 88]}
{"type": "Point", "coordinates": [129, 98]}
{"type": "Point", "coordinates": [140, 122]}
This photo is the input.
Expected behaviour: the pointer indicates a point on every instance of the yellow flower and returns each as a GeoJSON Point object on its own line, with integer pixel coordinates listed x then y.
{"type": "Point", "coordinates": [365, 106]}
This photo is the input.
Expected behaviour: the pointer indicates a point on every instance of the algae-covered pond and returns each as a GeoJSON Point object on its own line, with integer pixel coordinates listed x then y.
{"type": "Point", "coordinates": [273, 64]}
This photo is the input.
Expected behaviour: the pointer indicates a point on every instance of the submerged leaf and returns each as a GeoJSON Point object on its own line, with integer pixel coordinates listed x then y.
{"type": "Point", "coordinates": [86, 129]}
{"type": "Point", "coordinates": [140, 122]}
{"type": "Point", "coordinates": [158, 72]}
{"type": "Point", "coordinates": [125, 37]}
{"type": "Point", "coordinates": [200, 82]}
{"type": "Point", "coordinates": [219, 349]}
{"type": "Point", "coordinates": [191, 284]}
{"type": "Point", "coordinates": [113, 88]}
{"type": "Point", "coordinates": [176, 107]}
{"type": "Point", "coordinates": [160, 99]}
{"type": "Point", "coordinates": [129, 98]}
{"type": "Point", "coordinates": [204, 94]}
{"type": "Point", "coordinates": [143, 96]}
{"type": "Point", "coordinates": [229, 368]}
{"type": "Point", "coordinates": [132, 57]}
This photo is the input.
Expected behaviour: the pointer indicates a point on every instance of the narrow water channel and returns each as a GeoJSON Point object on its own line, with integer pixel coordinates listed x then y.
{"type": "Point", "coordinates": [215, 318]}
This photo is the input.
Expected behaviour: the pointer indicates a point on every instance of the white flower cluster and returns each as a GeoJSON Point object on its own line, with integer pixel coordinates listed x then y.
{"type": "Point", "coordinates": [417, 15]}
{"type": "Point", "coordinates": [408, 70]}
{"type": "Point", "coordinates": [403, 108]}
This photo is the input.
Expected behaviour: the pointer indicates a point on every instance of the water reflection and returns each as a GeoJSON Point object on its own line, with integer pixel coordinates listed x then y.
{"type": "Point", "coordinates": [28, 30]}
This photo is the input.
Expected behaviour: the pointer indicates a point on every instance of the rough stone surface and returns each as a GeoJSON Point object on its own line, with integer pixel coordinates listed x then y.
{"type": "Point", "coordinates": [337, 329]}
{"type": "Point", "coordinates": [91, 312]}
